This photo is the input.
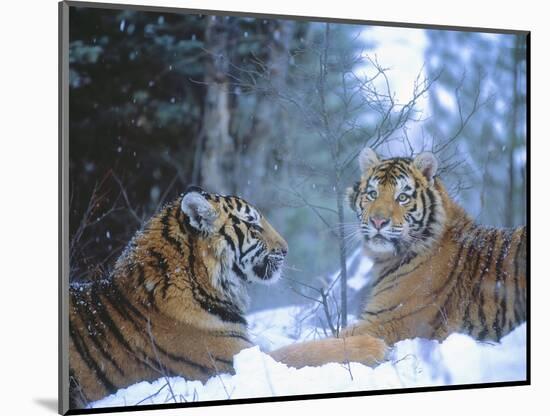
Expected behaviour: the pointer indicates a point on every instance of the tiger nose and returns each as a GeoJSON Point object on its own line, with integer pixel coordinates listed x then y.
{"type": "Point", "coordinates": [283, 250]}
{"type": "Point", "coordinates": [278, 254]}
{"type": "Point", "coordinates": [379, 222]}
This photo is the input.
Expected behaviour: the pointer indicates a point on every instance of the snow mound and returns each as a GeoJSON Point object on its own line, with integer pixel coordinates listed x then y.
{"type": "Point", "coordinates": [415, 363]}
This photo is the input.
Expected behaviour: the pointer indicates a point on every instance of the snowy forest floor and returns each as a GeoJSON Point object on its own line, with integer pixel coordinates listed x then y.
{"type": "Point", "coordinates": [414, 363]}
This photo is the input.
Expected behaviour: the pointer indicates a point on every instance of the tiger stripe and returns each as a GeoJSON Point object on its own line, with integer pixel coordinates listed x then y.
{"type": "Point", "coordinates": [443, 273]}
{"type": "Point", "coordinates": [175, 301]}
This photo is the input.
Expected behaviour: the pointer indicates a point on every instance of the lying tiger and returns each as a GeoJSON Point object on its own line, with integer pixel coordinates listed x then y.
{"type": "Point", "coordinates": [435, 271]}
{"type": "Point", "coordinates": [175, 303]}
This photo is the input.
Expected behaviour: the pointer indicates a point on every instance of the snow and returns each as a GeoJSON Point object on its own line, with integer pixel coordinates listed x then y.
{"type": "Point", "coordinates": [358, 280]}
{"type": "Point", "coordinates": [275, 328]}
{"type": "Point", "coordinates": [413, 362]}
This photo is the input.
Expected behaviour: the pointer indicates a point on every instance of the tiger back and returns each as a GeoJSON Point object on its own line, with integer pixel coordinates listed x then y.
{"type": "Point", "coordinates": [176, 300]}
{"type": "Point", "coordinates": [435, 271]}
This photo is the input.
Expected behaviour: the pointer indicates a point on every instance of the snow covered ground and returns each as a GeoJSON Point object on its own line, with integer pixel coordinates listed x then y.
{"type": "Point", "coordinates": [414, 362]}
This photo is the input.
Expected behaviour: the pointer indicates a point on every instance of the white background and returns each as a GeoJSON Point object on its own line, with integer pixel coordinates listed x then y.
{"type": "Point", "coordinates": [28, 204]}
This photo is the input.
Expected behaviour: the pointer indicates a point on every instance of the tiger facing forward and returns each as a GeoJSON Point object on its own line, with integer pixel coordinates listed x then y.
{"type": "Point", "coordinates": [176, 300]}
{"type": "Point", "coordinates": [435, 271]}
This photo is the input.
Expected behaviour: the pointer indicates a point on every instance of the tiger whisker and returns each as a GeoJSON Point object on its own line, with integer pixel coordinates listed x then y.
{"type": "Point", "coordinates": [291, 268]}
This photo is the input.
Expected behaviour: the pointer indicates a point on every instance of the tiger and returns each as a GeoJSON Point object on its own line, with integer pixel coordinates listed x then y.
{"type": "Point", "coordinates": [435, 271]}
{"type": "Point", "coordinates": [175, 303]}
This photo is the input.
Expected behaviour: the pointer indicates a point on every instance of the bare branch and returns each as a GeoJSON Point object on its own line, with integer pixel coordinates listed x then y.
{"type": "Point", "coordinates": [139, 219]}
{"type": "Point", "coordinates": [463, 120]}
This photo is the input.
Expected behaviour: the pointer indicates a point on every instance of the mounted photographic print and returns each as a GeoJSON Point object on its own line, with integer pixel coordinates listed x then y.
{"type": "Point", "coordinates": [261, 208]}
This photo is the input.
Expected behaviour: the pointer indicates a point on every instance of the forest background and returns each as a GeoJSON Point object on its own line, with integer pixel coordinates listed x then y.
{"type": "Point", "coordinates": [276, 111]}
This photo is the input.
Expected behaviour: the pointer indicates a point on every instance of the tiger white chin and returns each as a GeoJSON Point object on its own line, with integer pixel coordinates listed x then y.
{"type": "Point", "coordinates": [277, 274]}
{"type": "Point", "coordinates": [377, 247]}
{"type": "Point", "coordinates": [274, 278]}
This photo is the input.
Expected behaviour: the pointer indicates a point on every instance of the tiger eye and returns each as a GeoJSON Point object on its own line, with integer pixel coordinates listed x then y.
{"type": "Point", "coordinates": [256, 227]}
{"type": "Point", "coordinates": [403, 198]}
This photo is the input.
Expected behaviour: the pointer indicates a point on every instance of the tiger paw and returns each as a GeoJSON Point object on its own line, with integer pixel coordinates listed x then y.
{"type": "Point", "coordinates": [365, 349]}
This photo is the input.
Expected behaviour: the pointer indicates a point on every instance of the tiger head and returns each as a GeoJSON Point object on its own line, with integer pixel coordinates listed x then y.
{"type": "Point", "coordinates": [398, 202]}
{"type": "Point", "coordinates": [245, 245]}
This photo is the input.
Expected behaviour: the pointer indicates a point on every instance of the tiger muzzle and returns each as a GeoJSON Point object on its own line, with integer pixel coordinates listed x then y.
{"type": "Point", "coordinates": [277, 257]}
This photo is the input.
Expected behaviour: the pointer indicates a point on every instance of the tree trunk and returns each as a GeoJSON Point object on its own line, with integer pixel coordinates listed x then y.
{"type": "Point", "coordinates": [217, 166]}
{"type": "Point", "coordinates": [513, 132]}
{"type": "Point", "coordinates": [335, 148]}
{"type": "Point", "coordinates": [343, 257]}
{"type": "Point", "coordinates": [263, 140]}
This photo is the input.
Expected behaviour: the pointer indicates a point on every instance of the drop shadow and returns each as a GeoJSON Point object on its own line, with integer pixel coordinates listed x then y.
{"type": "Point", "coordinates": [49, 404]}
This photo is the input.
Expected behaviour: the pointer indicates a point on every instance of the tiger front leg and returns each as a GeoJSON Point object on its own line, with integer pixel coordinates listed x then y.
{"type": "Point", "coordinates": [364, 349]}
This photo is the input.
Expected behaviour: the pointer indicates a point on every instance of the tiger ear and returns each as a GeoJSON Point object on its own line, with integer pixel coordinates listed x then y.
{"type": "Point", "coordinates": [367, 159]}
{"type": "Point", "coordinates": [201, 213]}
{"type": "Point", "coordinates": [427, 164]}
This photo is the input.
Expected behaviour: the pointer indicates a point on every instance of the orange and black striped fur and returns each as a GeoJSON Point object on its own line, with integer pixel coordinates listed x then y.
{"type": "Point", "coordinates": [435, 271]}
{"type": "Point", "coordinates": [176, 300]}
{"type": "Point", "coordinates": [175, 303]}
